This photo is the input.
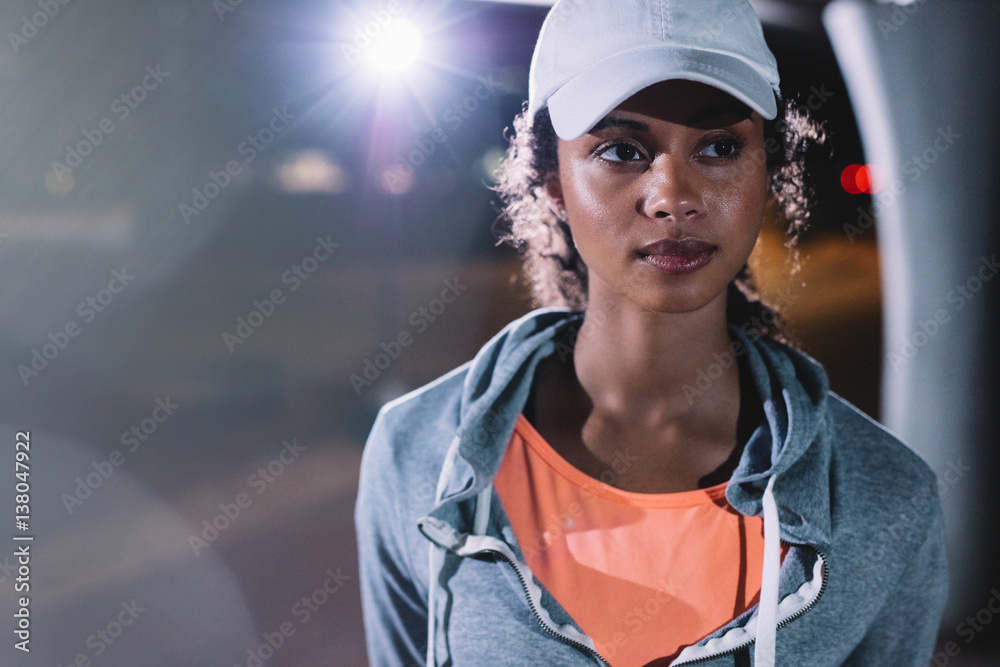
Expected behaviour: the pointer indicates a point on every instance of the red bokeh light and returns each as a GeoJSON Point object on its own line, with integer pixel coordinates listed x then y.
{"type": "Point", "coordinates": [858, 178]}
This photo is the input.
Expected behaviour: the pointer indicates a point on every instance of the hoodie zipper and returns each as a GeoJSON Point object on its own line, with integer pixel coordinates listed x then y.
{"type": "Point", "coordinates": [822, 587]}
{"type": "Point", "coordinates": [781, 624]}
{"type": "Point", "coordinates": [534, 610]}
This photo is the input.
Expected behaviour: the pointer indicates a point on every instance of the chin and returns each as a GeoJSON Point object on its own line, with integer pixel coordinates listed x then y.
{"type": "Point", "coordinates": [675, 296]}
{"type": "Point", "coordinates": [674, 302]}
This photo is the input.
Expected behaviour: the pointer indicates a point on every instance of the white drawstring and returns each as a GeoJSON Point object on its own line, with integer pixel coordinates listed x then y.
{"type": "Point", "coordinates": [433, 566]}
{"type": "Point", "coordinates": [482, 510]}
{"type": "Point", "coordinates": [434, 553]}
{"type": "Point", "coordinates": [767, 610]}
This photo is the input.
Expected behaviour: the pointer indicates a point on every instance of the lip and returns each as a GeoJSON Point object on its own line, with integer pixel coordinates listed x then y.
{"type": "Point", "coordinates": [678, 257]}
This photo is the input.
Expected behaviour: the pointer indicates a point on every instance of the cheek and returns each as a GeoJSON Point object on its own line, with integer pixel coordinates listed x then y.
{"type": "Point", "coordinates": [593, 207]}
{"type": "Point", "coordinates": [742, 202]}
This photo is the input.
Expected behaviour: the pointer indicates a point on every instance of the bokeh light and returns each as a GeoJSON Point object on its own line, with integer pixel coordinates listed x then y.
{"type": "Point", "coordinates": [857, 179]}
{"type": "Point", "coordinates": [311, 171]}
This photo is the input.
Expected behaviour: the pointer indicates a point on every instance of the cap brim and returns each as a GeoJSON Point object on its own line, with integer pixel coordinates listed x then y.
{"type": "Point", "coordinates": [587, 98]}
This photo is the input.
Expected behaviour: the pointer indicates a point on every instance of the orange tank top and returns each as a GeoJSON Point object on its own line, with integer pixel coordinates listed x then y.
{"type": "Point", "coordinates": [644, 575]}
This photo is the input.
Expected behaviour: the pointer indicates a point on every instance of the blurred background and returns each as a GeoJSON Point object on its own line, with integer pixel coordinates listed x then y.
{"type": "Point", "coordinates": [217, 216]}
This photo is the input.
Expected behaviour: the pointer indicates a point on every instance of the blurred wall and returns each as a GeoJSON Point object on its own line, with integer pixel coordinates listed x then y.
{"type": "Point", "coordinates": [924, 78]}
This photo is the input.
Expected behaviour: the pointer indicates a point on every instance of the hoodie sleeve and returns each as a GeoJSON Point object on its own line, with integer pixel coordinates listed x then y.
{"type": "Point", "coordinates": [394, 607]}
{"type": "Point", "coordinates": [907, 625]}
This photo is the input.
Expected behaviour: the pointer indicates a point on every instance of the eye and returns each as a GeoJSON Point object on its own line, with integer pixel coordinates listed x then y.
{"type": "Point", "coordinates": [726, 147]}
{"type": "Point", "coordinates": [620, 153]}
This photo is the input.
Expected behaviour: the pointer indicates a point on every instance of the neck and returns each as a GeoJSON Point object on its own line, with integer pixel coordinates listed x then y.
{"type": "Point", "coordinates": [632, 361]}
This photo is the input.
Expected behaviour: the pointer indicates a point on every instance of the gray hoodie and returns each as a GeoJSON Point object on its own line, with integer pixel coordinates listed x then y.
{"type": "Point", "coordinates": [864, 581]}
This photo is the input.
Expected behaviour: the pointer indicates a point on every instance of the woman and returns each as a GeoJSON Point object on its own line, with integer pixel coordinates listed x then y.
{"type": "Point", "coordinates": [651, 476]}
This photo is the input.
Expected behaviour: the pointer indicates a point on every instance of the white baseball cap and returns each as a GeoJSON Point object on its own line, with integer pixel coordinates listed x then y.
{"type": "Point", "coordinates": [592, 55]}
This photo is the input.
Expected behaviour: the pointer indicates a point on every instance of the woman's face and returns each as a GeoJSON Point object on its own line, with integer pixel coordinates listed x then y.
{"type": "Point", "coordinates": [666, 195]}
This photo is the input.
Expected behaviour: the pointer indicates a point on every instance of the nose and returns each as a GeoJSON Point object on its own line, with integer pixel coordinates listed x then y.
{"type": "Point", "coordinates": [671, 191]}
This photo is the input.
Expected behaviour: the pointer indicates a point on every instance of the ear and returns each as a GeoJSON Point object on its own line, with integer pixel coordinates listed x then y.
{"type": "Point", "coordinates": [553, 190]}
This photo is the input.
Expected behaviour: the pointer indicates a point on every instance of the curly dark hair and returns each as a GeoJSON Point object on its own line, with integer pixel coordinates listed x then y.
{"type": "Point", "coordinates": [557, 273]}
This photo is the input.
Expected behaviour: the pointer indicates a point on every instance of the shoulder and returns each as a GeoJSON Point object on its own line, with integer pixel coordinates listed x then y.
{"type": "Point", "coordinates": [865, 455]}
{"type": "Point", "coordinates": [888, 527]}
{"type": "Point", "coordinates": [885, 505]}
{"type": "Point", "coordinates": [411, 434]}
{"type": "Point", "coordinates": [433, 412]}
{"type": "Point", "coordinates": [400, 466]}
{"type": "Point", "coordinates": [434, 405]}
{"type": "Point", "coordinates": [871, 455]}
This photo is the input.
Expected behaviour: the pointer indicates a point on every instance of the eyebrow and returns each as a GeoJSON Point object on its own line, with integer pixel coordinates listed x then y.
{"type": "Point", "coordinates": [739, 110]}
{"type": "Point", "coordinates": [610, 121]}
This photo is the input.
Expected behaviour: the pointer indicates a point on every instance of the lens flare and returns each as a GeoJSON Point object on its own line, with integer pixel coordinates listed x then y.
{"type": "Point", "coordinates": [396, 48]}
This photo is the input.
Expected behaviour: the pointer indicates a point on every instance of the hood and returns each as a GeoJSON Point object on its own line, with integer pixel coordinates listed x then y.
{"type": "Point", "coordinates": [791, 385]}
{"type": "Point", "coordinates": [781, 473]}
{"type": "Point", "coordinates": [496, 389]}
{"type": "Point", "coordinates": [793, 390]}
